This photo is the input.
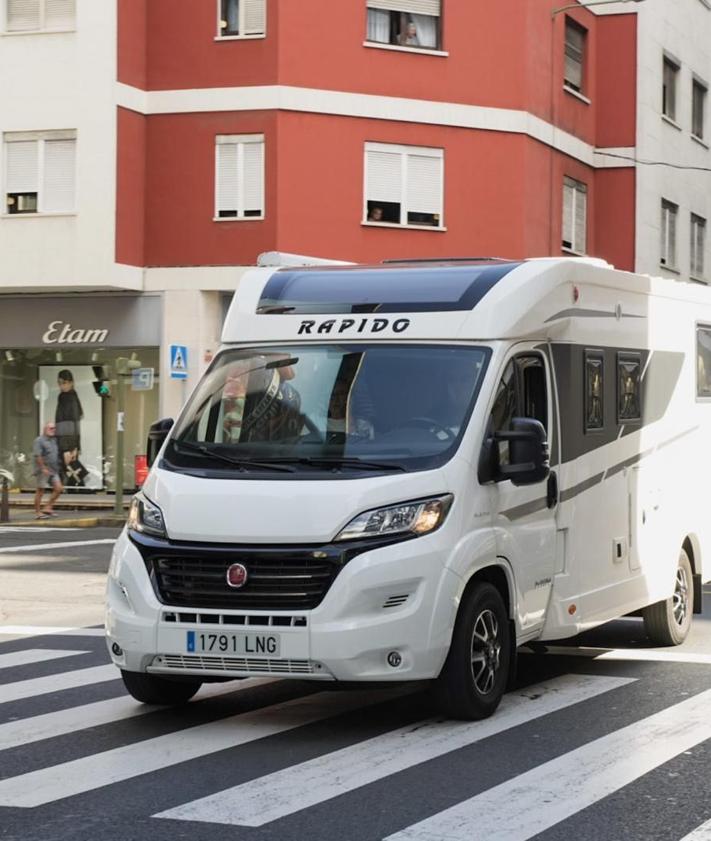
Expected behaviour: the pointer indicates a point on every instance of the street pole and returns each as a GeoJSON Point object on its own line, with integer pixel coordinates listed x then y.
{"type": "Point", "coordinates": [118, 499]}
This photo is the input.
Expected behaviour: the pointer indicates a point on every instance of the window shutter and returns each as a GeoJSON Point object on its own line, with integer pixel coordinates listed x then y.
{"type": "Point", "coordinates": [227, 179]}
{"type": "Point", "coordinates": [581, 208]}
{"type": "Point", "coordinates": [255, 14]}
{"type": "Point", "coordinates": [424, 184]}
{"type": "Point", "coordinates": [22, 167]}
{"type": "Point", "coordinates": [415, 7]}
{"type": "Point", "coordinates": [672, 238]}
{"type": "Point", "coordinates": [59, 14]}
{"type": "Point", "coordinates": [59, 179]}
{"type": "Point", "coordinates": [574, 55]}
{"type": "Point", "coordinates": [23, 15]}
{"type": "Point", "coordinates": [568, 203]}
{"type": "Point", "coordinates": [253, 193]}
{"type": "Point", "coordinates": [384, 176]}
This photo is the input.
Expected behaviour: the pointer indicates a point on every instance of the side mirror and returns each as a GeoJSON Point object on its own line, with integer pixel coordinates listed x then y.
{"type": "Point", "coordinates": [157, 434]}
{"type": "Point", "coordinates": [529, 462]}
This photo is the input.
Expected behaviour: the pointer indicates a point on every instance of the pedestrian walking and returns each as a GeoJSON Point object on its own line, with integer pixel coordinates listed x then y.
{"type": "Point", "coordinates": [45, 450]}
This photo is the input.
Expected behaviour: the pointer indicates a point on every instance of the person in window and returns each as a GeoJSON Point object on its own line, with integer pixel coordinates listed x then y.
{"type": "Point", "coordinates": [409, 38]}
{"type": "Point", "coordinates": [346, 416]}
{"type": "Point", "coordinates": [375, 214]}
{"type": "Point", "coordinates": [68, 416]}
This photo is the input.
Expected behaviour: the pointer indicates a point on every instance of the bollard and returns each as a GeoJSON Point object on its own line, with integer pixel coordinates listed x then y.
{"type": "Point", "coordinates": [4, 502]}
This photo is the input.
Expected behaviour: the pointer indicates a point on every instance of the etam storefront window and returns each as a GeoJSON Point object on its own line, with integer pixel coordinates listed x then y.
{"type": "Point", "coordinates": [64, 359]}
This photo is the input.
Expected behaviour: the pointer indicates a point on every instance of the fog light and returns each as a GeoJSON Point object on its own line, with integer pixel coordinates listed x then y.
{"type": "Point", "coordinates": [394, 659]}
{"type": "Point", "coordinates": [116, 649]}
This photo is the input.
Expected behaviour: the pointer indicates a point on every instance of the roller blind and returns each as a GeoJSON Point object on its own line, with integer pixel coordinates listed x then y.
{"type": "Point", "coordinates": [424, 184]}
{"type": "Point", "coordinates": [415, 7]}
{"type": "Point", "coordinates": [59, 175]}
{"type": "Point", "coordinates": [23, 15]}
{"type": "Point", "coordinates": [575, 199]}
{"type": "Point", "coordinates": [574, 54]}
{"type": "Point", "coordinates": [22, 167]}
{"type": "Point", "coordinates": [581, 218]}
{"type": "Point", "coordinates": [240, 175]}
{"type": "Point", "coordinates": [255, 14]}
{"type": "Point", "coordinates": [384, 176]}
{"type": "Point", "coordinates": [227, 178]}
{"type": "Point", "coordinates": [59, 14]}
{"type": "Point", "coordinates": [253, 194]}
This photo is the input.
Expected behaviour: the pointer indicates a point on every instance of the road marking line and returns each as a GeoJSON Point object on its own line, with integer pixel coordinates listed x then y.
{"type": "Point", "coordinates": [55, 683]}
{"type": "Point", "coordinates": [46, 785]}
{"type": "Point", "coordinates": [36, 529]}
{"type": "Point", "coordinates": [50, 725]}
{"type": "Point", "coordinates": [41, 631]}
{"type": "Point", "coordinates": [34, 655]}
{"type": "Point", "coordinates": [282, 793]}
{"type": "Point", "coordinates": [9, 550]}
{"type": "Point", "coordinates": [533, 802]}
{"type": "Point", "coordinates": [701, 833]}
{"type": "Point", "coordinates": [641, 655]}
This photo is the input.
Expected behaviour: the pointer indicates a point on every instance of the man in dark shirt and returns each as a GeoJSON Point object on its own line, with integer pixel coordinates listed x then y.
{"type": "Point", "coordinates": [46, 470]}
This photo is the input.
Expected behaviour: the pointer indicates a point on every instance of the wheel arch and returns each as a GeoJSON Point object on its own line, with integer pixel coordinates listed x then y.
{"type": "Point", "coordinates": [692, 547]}
{"type": "Point", "coordinates": [498, 574]}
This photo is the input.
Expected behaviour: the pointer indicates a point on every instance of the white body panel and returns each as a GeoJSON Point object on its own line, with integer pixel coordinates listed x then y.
{"type": "Point", "coordinates": [608, 547]}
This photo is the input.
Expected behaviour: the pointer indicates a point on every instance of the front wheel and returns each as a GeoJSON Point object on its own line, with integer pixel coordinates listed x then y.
{"type": "Point", "coordinates": [668, 622]}
{"type": "Point", "coordinates": [154, 689]}
{"type": "Point", "coordinates": [473, 679]}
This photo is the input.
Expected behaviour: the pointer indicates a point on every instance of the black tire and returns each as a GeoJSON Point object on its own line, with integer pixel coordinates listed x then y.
{"type": "Point", "coordinates": [154, 689]}
{"type": "Point", "coordinates": [474, 677]}
{"type": "Point", "coordinates": [668, 622]}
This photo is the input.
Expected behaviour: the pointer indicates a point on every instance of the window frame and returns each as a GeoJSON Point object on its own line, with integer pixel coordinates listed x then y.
{"type": "Point", "coordinates": [239, 140]}
{"type": "Point", "coordinates": [698, 249]}
{"type": "Point", "coordinates": [572, 25]}
{"type": "Point", "coordinates": [701, 397]}
{"type": "Point", "coordinates": [671, 209]}
{"type": "Point", "coordinates": [239, 37]}
{"type": "Point", "coordinates": [598, 355]}
{"type": "Point", "coordinates": [42, 19]}
{"type": "Point", "coordinates": [669, 62]}
{"type": "Point", "coordinates": [578, 188]}
{"type": "Point", "coordinates": [41, 138]}
{"type": "Point", "coordinates": [699, 85]}
{"type": "Point", "coordinates": [624, 356]}
{"type": "Point", "coordinates": [403, 151]}
{"type": "Point", "coordinates": [395, 44]}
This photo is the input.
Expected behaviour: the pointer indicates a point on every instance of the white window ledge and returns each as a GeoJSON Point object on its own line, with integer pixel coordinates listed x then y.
{"type": "Point", "coordinates": [38, 32]}
{"type": "Point", "coordinates": [577, 94]}
{"type": "Point", "coordinates": [238, 218]}
{"type": "Point", "coordinates": [398, 49]}
{"type": "Point", "coordinates": [700, 141]}
{"type": "Point", "coordinates": [671, 269]}
{"type": "Point", "coordinates": [40, 215]}
{"type": "Point", "coordinates": [672, 123]}
{"type": "Point", "coordinates": [239, 37]}
{"type": "Point", "coordinates": [572, 251]}
{"type": "Point", "coordinates": [697, 279]}
{"type": "Point", "coordinates": [367, 224]}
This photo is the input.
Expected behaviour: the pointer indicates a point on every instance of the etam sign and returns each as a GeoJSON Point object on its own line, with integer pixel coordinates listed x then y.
{"type": "Point", "coordinates": [64, 333]}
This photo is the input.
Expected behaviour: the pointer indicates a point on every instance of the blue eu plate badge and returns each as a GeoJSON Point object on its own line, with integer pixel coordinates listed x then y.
{"type": "Point", "coordinates": [191, 641]}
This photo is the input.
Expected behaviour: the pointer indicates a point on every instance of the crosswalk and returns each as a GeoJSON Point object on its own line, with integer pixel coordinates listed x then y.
{"type": "Point", "coordinates": [294, 760]}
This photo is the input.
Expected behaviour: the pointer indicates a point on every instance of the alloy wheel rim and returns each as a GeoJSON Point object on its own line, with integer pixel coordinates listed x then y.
{"type": "Point", "coordinates": [485, 652]}
{"type": "Point", "coordinates": [680, 599]}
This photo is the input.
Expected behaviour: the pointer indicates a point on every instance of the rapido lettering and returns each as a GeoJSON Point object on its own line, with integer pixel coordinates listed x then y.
{"type": "Point", "coordinates": [350, 326]}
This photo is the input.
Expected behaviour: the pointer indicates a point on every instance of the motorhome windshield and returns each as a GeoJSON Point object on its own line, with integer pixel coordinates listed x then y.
{"type": "Point", "coordinates": [348, 408]}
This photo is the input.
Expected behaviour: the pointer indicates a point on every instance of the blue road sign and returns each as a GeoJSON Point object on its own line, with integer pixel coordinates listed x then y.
{"type": "Point", "coordinates": [178, 362]}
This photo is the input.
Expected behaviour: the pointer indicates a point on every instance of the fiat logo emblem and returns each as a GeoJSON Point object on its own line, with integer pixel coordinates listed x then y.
{"type": "Point", "coordinates": [236, 575]}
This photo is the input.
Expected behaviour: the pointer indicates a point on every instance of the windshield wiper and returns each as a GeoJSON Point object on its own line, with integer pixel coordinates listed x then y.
{"type": "Point", "coordinates": [243, 463]}
{"type": "Point", "coordinates": [338, 461]}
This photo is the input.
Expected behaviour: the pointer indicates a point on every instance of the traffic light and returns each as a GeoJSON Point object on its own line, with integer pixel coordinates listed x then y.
{"type": "Point", "coordinates": [101, 381]}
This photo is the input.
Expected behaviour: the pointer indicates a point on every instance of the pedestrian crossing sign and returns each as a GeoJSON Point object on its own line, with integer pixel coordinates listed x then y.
{"type": "Point", "coordinates": [178, 362]}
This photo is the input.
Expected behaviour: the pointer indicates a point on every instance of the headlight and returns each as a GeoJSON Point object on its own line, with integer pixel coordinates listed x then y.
{"type": "Point", "coordinates": [145, 517]}
{"type": "Point", "coordinates": [419, 517]}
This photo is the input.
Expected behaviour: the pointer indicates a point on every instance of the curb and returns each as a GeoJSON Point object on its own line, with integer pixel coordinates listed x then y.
{"type": "Point", "coordinates": [68, 523]}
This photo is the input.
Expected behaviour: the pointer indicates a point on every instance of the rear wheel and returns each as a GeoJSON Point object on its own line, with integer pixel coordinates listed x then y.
{"type": "Point", "coordinates": [668, 622]}
{"type": "Point", "coordinates": [473, 679]}
{"type": "Point", "coordinates": [154, 689]}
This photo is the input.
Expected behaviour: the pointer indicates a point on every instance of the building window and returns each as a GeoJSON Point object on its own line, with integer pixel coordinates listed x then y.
{"type": "Point", "coordinates": [575, 43]}
{"type": "Point", "coordinates": [698, 246]}
{"type": "Point", "coordinates": [39, 172]}
{"type": "Point", "coordinates": [242, 18]}
{"type": "Point", "coordinates": [670, 77]}
{"type": "Point", "coordinates": [405, 23]}
{"type": "Point", "coordinates": [703, 361]}
{"type": "Point", "coordinates": [239, 176]}
{"type": "Point", "coordinates": [670, 212]}
{"type": "Point", "coordinates": [698, 108]}
{"type": "Point", "coordinates": [594, 390]}
{"type": "Point", "coordinates": [403, 185]}
{"type": "Point", "coordinates": [575, 211]}
{"type": "Point", "coordinates": [629, 377]}
{"type": "Point", "coordinates": [39, 15]}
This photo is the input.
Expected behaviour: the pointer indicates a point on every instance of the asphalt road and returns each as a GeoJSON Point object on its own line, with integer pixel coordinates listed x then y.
{"type": "Point", "coordinates": [603, 739]}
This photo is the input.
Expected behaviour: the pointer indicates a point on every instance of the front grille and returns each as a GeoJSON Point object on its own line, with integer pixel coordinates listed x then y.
{"type": "Point", "coordinates": [233, 664]}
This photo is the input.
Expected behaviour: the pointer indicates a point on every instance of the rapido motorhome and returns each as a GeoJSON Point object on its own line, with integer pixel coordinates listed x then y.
{"type": "Point", "coordinates": [403, 472]}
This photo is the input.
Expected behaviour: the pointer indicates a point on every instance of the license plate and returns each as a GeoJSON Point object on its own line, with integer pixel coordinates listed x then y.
{"type": "Point", "coordinates": [251, 645]}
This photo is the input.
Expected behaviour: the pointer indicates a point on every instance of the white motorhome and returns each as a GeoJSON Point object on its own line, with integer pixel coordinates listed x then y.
{"type": "Point", "coordinates": [404, 472]}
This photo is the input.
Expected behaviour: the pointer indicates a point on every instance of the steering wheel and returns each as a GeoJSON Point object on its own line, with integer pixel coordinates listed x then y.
{"type": "Point", "coordinates": [430, 424]}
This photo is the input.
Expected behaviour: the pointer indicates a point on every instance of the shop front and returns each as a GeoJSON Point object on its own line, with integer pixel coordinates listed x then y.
{"type": "Point", "coordinates": [91, 364]}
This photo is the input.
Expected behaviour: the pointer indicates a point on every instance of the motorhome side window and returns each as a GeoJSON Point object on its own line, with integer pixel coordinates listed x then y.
{"type": "Point", "coordinates": [703, 361]}
{"type": "Point", "coordinates": [629, 403]}
{"type": "Point", "coordinates": [594, 386]}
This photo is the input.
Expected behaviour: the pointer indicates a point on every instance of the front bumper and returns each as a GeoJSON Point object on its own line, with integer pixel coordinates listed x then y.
{"type": "Point", "coordinates": [396, 598]}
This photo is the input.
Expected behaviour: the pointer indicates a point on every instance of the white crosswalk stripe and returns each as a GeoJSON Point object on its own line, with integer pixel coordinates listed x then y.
{"type": "Point", "coordinates": [50, 630]}
{"type": "Point", "coordinates": [284, 792]}
{"type": "Point", "coordinates": [542, 797]}
{"type": "Point", "coordinates": [68, 544]}
{"type": "Point", "coordinates": [54, 683]}
{"type": "Point", "coordinates": [630, 654]}
{"type": "Point", "coordinates": [34, 655]}
{"type": "Point", "coordinates": [701, 833]}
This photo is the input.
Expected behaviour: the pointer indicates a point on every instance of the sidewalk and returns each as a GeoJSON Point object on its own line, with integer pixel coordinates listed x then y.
{"type": "Point", "coordinates": [73, 511]}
